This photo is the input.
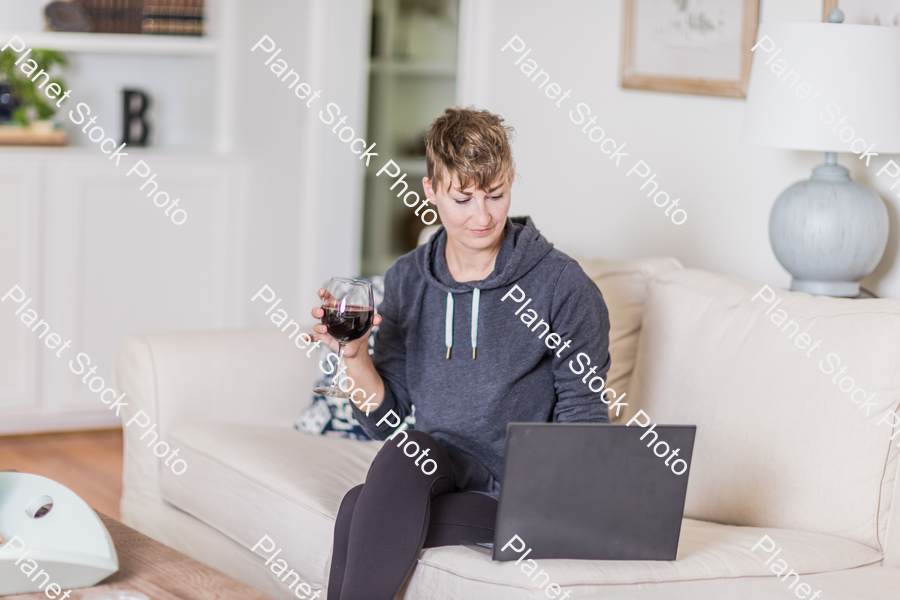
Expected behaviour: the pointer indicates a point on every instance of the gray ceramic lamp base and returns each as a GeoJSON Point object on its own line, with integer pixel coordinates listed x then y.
{"type": "Point", "coordinates": [828, 232]}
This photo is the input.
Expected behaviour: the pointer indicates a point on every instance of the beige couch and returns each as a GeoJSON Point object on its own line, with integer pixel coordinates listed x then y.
{"type": "Point", "coordinates": [781, 450]}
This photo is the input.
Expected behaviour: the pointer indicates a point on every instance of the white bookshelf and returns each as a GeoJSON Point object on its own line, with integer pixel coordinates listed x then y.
{"type": "Point", "coordinates": [56, 200]}
{"type": "Point", "coordinates": [189, 79]}
{"type": "Point", "coordinates": [77, 233]}
{"type": "Point", "coordinates": [117, 43]}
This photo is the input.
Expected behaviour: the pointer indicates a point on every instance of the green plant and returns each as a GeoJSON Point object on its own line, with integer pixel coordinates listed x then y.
{"type": "Point", "coordinates": [32, 102]}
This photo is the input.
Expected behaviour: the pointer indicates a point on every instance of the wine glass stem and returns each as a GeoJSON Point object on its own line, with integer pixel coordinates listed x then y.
{"type": "Point", "coordinates": [340, 367]}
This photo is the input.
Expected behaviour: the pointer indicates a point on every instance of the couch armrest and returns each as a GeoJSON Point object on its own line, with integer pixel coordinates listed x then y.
{"type": "Point", "coordinates": [892, 540]}
{"type": "Point", "coordinates": [246, 376]}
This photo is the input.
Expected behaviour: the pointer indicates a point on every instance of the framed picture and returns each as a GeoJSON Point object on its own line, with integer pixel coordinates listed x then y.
{"type": "Point", "coordinates": [689, 46]}
{"type": "Point", "coordinates": [866, 12]}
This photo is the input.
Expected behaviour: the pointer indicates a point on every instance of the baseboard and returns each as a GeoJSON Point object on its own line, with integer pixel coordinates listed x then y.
{"type": "Point", "coordinates": [44, 423]}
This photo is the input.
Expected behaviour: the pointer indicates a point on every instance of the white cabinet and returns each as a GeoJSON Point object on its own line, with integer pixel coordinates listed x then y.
{"type": "Point", "coordinates": [20, 183]}
{"type": "Point", "coordinates": [108, 263]}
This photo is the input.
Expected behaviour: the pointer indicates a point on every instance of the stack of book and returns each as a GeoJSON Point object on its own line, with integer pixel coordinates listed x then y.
{"type": "Point", "coordinates": [168, 17]}
{"type": "Point", "coordinates": [173, 17]}
{"type": "Point", "coordinates": [114, 16]}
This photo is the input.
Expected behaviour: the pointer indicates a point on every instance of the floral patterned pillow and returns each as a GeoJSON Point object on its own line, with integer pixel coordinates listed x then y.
{"type": "Point", "coordinates": [334, 416]}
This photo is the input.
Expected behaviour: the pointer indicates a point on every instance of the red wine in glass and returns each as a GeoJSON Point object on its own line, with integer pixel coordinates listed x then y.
{"type": "Point", "coordinates": [349, 306]}
{"type": "Point", "coordinates": [349, 325]}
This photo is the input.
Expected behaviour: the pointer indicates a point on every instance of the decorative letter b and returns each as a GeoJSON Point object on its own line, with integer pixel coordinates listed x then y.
{"type": "Point", "coordinates": [135, 128]}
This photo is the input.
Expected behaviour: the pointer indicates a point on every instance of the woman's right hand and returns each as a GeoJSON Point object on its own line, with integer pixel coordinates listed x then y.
{"type": "Point", "coordinates": [351, 349]}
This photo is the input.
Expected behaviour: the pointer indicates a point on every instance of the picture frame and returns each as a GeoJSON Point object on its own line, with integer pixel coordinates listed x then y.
{"type": "Point", "coordinates": [885, 13]}
{"type": "Point", "coordinates": [699, 47]}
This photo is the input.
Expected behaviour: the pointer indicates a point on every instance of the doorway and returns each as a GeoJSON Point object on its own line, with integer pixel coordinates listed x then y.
{"type": "Point", "coordinates": [412, 79]}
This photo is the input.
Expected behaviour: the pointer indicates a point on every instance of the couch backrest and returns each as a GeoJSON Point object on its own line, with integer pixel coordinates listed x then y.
{"type": "Point", "coordinates": [779, 442]}
{"type": "Point", "coordinates": [624, 285]}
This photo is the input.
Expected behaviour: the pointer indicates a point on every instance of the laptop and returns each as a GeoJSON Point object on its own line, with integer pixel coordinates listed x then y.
{"type": "Point", "coordinates": [592, 491]}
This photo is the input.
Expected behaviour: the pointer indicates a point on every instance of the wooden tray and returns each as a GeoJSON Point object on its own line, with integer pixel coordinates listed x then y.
{"type": "Point", "coordinates": [16, 135]}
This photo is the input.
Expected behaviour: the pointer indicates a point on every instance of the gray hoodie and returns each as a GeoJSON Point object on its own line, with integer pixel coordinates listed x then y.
{"type": "Point", "coordinates": [463, 402]}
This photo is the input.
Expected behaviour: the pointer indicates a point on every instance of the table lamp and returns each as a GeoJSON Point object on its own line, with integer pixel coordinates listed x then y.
{"type": "Point", "coordinates": [827, 87]}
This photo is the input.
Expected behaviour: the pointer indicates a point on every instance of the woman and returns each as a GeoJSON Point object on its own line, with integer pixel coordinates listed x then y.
{"type": "Point", "coordinates": [459, 340]}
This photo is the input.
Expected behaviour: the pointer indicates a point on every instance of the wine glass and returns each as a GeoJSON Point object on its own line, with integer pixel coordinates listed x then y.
{"type": "Point", "coordinates": [349, 306]}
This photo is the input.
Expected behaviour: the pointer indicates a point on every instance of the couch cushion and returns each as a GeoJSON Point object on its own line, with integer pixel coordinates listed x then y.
{"type": "Point", "coordinates": [248, 482]}
{"type": "Point", "coordinates": [624, 287]}
{"type": "Point", "coordinates": [778, 443]}
{"type": "Point", "coordinates": [865, 583]}
{"type": "Point", "coordinates": [705, 551]}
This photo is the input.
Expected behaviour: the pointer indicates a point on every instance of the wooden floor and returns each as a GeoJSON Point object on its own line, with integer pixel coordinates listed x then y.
{"type": "Point", "coordinates": [89, 463]}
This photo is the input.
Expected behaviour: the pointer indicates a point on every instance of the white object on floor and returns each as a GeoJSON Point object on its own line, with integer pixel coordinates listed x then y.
{"type": "Point", "coordinates": [68, 542]}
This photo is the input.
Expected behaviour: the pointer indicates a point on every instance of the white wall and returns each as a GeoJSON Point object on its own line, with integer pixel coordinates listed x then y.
{"type": "Point", "coordinates": [306, 186]}
{"type": "Point", "coordinates": [587, 206]}
{"type": "Point", "coordinates": [22, 15]}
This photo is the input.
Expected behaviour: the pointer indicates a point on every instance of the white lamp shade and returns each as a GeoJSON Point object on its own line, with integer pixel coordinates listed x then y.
{"type": "Point", "coordinates": [857, 69]}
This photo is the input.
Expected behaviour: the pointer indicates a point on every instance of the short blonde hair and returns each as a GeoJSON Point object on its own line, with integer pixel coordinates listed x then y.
{"type": "Point", "coordinates": [472, 144]}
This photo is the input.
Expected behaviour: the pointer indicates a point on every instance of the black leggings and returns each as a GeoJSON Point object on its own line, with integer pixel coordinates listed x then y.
{"type": "Point", "coordinates": [383, 524]}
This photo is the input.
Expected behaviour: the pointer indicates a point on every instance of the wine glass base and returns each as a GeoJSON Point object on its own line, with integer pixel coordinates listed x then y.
{"type": "Point", "coordinates": [332, 392]}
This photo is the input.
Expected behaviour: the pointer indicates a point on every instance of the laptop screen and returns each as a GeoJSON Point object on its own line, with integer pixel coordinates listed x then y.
{"type": "Point", "coordinates": [593, 491]}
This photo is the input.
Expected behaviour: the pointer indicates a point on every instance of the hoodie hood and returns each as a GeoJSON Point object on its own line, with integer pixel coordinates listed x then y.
{"type": "Point", "coordinates": [523, 248]}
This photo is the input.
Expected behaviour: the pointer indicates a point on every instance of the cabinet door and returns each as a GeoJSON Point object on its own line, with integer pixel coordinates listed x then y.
{"type": "Point", "coordinates": [20, 209]}
{"type": "Point", "coordinates": [117, 264]}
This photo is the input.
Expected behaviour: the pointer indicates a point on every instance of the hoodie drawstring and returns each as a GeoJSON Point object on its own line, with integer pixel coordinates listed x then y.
{"type": "Point", "coordinates": [448, 324]}
{"type": "Point", "coordinates": [476, 293]}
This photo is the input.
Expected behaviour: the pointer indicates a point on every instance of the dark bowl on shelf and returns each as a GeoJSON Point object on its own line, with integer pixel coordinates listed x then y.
{"type": "Point", "coordinates": [66, 16]}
